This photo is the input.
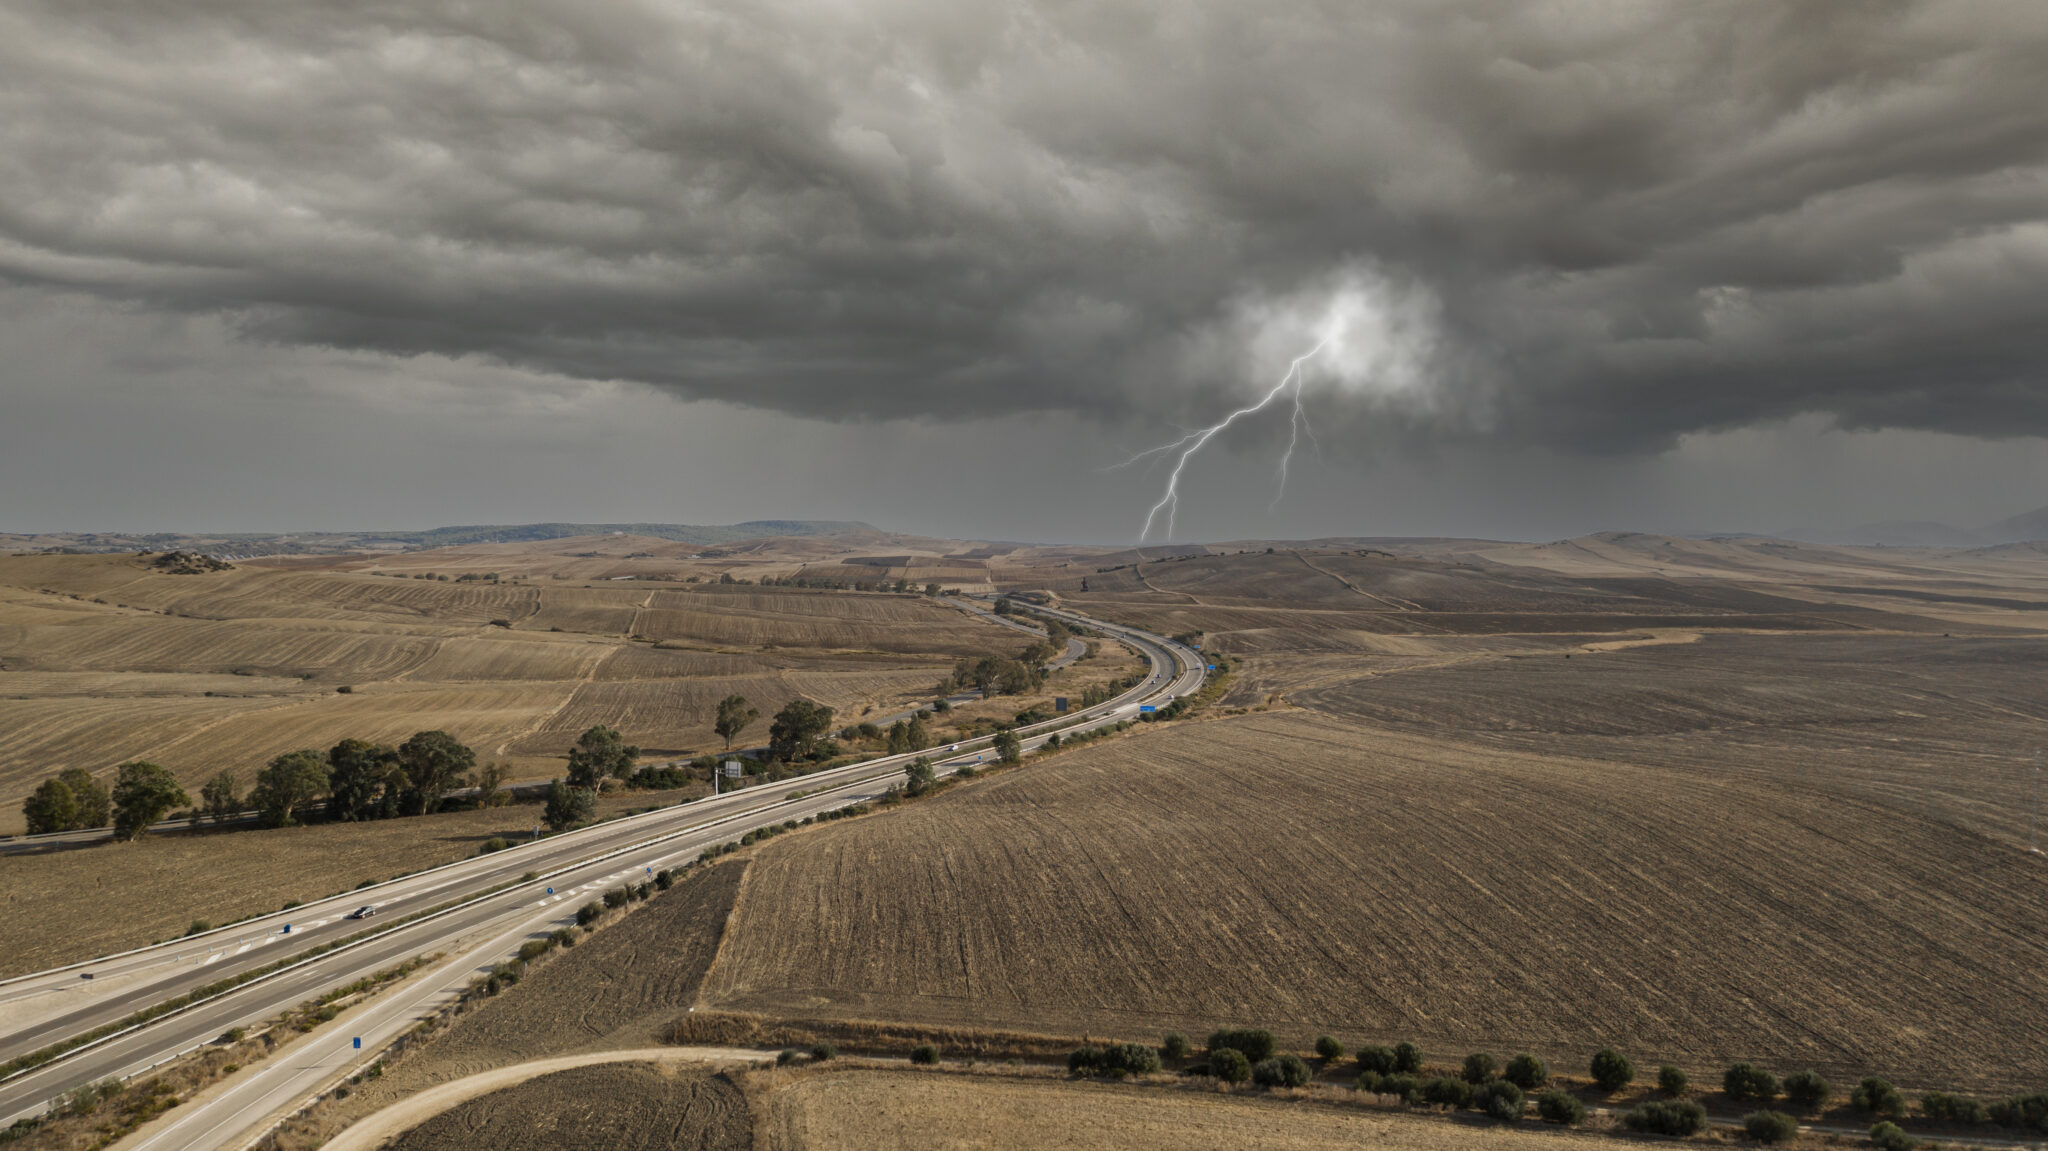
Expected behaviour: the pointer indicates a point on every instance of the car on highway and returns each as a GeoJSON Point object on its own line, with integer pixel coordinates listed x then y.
{"type": "Point", "coordinates": [363, 912]}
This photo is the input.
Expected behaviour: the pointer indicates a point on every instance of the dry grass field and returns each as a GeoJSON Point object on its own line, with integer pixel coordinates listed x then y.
{"type": "Point", "coordinates": [851, 1110]}
{"type": "Point", "coordinates": [1309, 874]}
{"type": "Point", "coordinates": [614, 1107]}
{"type": "Point", "coordinates": [104, 660]}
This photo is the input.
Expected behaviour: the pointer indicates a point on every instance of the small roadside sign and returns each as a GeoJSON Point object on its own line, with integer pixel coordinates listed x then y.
{"type": "Point", "coordinates": [359, 1043]}
{"type": "Point", "coordinates": [732, 769]}
{"type": "Point", "coordinates": [551, 891]}
{"type": "Point", "coordinates": [287, 929]}
{"type": "Point", "coordinates": [1146, 707]}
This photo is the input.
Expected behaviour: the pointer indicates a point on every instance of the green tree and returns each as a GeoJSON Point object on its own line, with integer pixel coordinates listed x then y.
{"type": "Point", "coordinates": [600, 753]}
{"type": "Point", "coordinates": [1526, 1071]}
{"type": "Point", "coordinates": [920, 736]}
{"type": "Point", "coordinates": [1747, 1081]}
{"type": "Point", "coordinates": [364, 781]}
{"type": "Point", "coordinates": [1407, 1058]}
{"type": "Point", "coordinates": [797, 728]}
{"type": "Point", "coordinates": [1479, 1067]}
{"type": "Point", "coordinates": [1009, 748]}
{"type": "Point", "coordinates": [143, 794]}
{"type": "Point", "coordinates": [1255, 1042]}
{"type": "Point", "coordinates": [490, 784]}
{"type": "Point", "coordinates": [288, 785]}
{"type": "Point", "coordinates": [1557, 1106]}
{"type": "Point", "coordinates": [1806, 1089]}
{"type": "Point", "coordinates": [920, 777]}
{"type": "Point", "coordinates": [92, 806]}
{"type": "Point", "coordinates": [734, 714]}
{"type": "Point", "coordinates": [568, 806]}
{"type": "Point", "coordinates": [899, 738]}
{"type": "Point", "coordinates": [219, 799]}
{"type": "Point", "coordinates": [1887, 1136]}
{"type": "Point", "coordinates": [1175, 1047]}
{"type": "Point", "coordinates": [1230, 1065]}
{"type": "Point", "coordinates": [1770, 1126]}
{"type": "Point", "coordinates": [432, 762]}
{"type": "Point", "coordinates": [1611, 1070]}
{"type": "Point", "coordinates": [51, 807]}
{"type": "Point", "coordinates": [1671, 1081]}
{"type": "Point", "coordinates": [1329, 1048]}
{"type": "Point", "coordinates": [1878, 1097]}
{"type": "Point", "coordinates": [1378, 1060]}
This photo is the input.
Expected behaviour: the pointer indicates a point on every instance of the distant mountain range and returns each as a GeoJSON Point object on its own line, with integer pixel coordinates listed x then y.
{"type": "Point", "coordinates": [325, 543]}
{"type": "Point", "coordinates": [2022, 528]}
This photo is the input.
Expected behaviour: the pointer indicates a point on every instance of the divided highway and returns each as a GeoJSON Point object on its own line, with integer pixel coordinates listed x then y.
{"type": "Point", "coordinates": [494, 911]}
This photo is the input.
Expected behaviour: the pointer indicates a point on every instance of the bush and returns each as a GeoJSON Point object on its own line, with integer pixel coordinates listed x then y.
{"type": "Point", "coordinates": [1947, 1108]}
{"type": "Point", "coordinates": [1407, 1058]}
{"type": "Point", "coordinates": [1500, 1099]}
{"type": "Point", "coordinates": [533, 949]}
{"type": "Point", "coordinates": [1770, 1126]}
{"type": "Point", "coordinates": [2022, 1111]}
{"type": "Point", "coordinates": [1256, 1044]}
{"type": "Point", "coordinates": [1611, 1070]}
{"type": "Point", "coordinates": [616, 897]}
{"type": "Point", "coordinates": [588, 914]}
{"type": "Point", "coordinates": [1659, 1117]}
{"type": "Point", "coordinates": [1879, 1098]}
{"type": "Point", "coordinates": [820, 1052]}
{"type": "Point", "coordinates": [1747, 1081]}
{"type": "Point", "coordinates": [562, 937]}
{"type": "Point", "coordinates": [1176, 1047]}
{"type": "Point", "coordinates": [1085, 1060]}
{"type": "Point", "coordinates": [1376, 1060]}
{"type": "Point", "coordinates": [1229, 1065]}
{"type": "Point", "coordinates": [1447, 1092]}
{"type": "Point", "coordinates": [1282, 1071]}
{"type": "Point", "coordinates": [1479, 1067]}
{"type": "Point", "coordinates": [1671, 1081]}
{"type": "Point", "coordinates": [1526, 1071]}
{"type": "Point", "coordinates": [1328, 1049]}
{"type": "Point", "coordinates": [924, 1054]}
{"type": "Point", "coordinates": [1887, 1136]}
{"type": "Point", "coordinates": [1400, 1085]}
{"type": "Point", "coordinates": [1806, 1090]}
{"type": "Point", "coordinates": [1560, 1107]}
{"type": "Point", "coordinates": [494, 843]}
{"type": "Point", "coordinates": [199, 926]}
{"type": "Point", "coordinates": [1125, 1058]}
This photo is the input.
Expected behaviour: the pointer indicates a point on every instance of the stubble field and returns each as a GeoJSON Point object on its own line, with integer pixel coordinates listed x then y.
{"type": "Point", "coordinates": [615, 1107]}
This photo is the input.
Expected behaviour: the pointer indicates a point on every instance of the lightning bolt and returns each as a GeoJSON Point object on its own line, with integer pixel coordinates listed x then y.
{"type": "Point", "coordinates": [1196, 440]}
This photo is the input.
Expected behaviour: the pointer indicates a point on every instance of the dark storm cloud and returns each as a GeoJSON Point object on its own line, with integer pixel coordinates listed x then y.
{"type": "Point", "coordinates": [1625, 222]}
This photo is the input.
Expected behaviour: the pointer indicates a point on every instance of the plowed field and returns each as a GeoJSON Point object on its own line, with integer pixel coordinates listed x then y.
{"type": "Point", "coordinates": [614, 1107]}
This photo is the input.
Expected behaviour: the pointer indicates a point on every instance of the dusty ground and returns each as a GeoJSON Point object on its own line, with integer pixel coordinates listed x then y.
{"type": "Point", "coordinates": [141, 892]}
{"type": "Point", "coordinates": [619, 1106]}
{"type": "Point", "coordinates": [832, 1109]}
{"type": "Point", "coordinates": [1303, 873]}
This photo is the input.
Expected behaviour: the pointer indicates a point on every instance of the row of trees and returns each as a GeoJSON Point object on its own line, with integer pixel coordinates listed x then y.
{"type": "Point", "coordinates": [143, 793]}
{"type": "Point", "coordinates": [994, 675]}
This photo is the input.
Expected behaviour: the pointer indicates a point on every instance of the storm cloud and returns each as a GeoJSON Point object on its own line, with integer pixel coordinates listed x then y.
{"type": "Point", "coordinates": [1581, 226]}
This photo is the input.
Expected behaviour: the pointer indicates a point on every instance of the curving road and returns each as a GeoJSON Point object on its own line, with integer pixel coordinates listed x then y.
{"type": "Point", "coordinates": [483, 927]}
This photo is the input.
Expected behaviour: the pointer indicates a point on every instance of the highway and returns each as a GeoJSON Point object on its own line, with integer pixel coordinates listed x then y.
{"type": "Point", "coordinates": [484, 927]}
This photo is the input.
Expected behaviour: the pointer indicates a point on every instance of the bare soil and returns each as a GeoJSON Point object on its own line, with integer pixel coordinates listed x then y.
{"type": "Point", "coordinates": [611, 1107]}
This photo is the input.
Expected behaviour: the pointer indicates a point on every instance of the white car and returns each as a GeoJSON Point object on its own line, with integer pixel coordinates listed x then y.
{"type": "Point", "coordinates": [363, 912]}
{"type": "Point", "coordinates": [955, 747]}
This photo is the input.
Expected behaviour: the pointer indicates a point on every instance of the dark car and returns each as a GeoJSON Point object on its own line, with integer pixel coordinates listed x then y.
{"type": "Point", "coordinates": [363, 912]}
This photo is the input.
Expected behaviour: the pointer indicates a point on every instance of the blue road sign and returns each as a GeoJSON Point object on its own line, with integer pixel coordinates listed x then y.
{"type": "Point", "coordinates": [359, 1043]}
{"type": "Point", "coordinates": [1212, 667]}
{"type": "Point", "coordinates": [551, 891]}
{"type": "Point", "coordinates": [1146, 707]}
{"type": "Point", "coordinates": [287, 929]}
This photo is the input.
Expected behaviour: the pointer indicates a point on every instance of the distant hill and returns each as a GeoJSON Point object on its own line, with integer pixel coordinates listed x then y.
{"type": "Point", "coordinates": [2031, 525]}
{"type": "Point", "coordinates": [325, 543]}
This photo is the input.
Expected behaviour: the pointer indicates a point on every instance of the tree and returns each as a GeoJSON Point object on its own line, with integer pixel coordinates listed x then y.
{"type": "Point", "coordinates": [1282, 1071]}
{"type": "Point", "coordinates": [364, 781]}
{"type": "Point", "coordinates": [600, 753]}
{"type": "Point", "coordinates": [143, 793]}
{"type": "Point", "coordinates": [1256, 1043]}
{"type": "Point", "coordinates": [1526, 1071]}
{"type": "Point", "coordinates": [1611, 1070]}
{"type": "Point", "coordinates": [1557, 1106]}
{"type": "Point", "coordinates": [797, 728]}
{"type": "Point", "coordinates": [1009, 749]}
{"type": "Point", "coordinates": [51, 807]}
{"type": "Point", "coordinates": [1806, 1089]}
{"type": "Point", "coordinates": [899, 738]}
{"type": "Point", "coordinates": [734, 715]}
{"type": "Point", "coordinates": [1887, 1136]}
{"type": "Point", "coordinates": [568, 806]}
{"type": "Point", "coordinates": [289, 785]}
{"type": "Point", "coordinates": [920, 777]}
{"type": "Point", "coordinates": [1499, 1098]}
{"type": "Point", "coordinates": [1176, 1046]}
{"type": "Point", "coordinates": [1747, 1081]}
{"type": "Point", "coordinates": [218, 799]}
{"type": "Point", "coordinates": [490, 784]}
{"type": "Point", "coordinates": [432, 762]}
{"type": "Point", "coordinates": [919, 735]}
{"type": "Point", "coordinates": [1229, 1064]}
{"type": "Point", "coordinates": [925, 1054]}
{"type": "Point", "coordinates": [1478, 1067]}
{"type": "Point", "coordinates": [1378, 1060]}
{"type": "Point", "coordinates": [1770, 1126]}
{"type": "Point", "coordinates": [1879, 1098]}
{"type": "Point", "coordinates": [91, 805]}
{"type": "Point", "coordinates": [1671, 1081]}
{"type": "Point", "coordinates": [1658, 1117]}
{"type": "Point", "coordinates": [1407, 1058]}
{"type": "Point", "coordinates": [1329, 1048]}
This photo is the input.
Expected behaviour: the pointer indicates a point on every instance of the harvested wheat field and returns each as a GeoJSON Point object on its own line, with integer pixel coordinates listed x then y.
{"type": "Point", "coordinates": [831, 1110]}
{"type": "Point", "coordinates": [619, 1106]}
{"type": "Point", "coordinates": [1294, 871]}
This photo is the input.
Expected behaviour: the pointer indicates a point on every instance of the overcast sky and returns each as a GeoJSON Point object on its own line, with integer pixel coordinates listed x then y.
{"type": "Point", "coordinates": [939, 265]}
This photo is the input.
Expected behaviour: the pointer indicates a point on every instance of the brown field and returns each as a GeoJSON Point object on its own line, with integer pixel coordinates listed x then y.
{"type": "Point", "coordinates": [153, 889]}
{"type": "Point", "coordinates": [616, 1105]}
{"type": "Point", "coordinates": [833, 1109]}
{"type": "Point", "coordinates": [103, 660]}
{"type": "Point", "coordinates": [1307, 874]}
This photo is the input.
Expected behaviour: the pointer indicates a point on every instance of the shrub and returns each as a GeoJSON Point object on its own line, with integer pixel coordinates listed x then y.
{"type": "Point", "coordinates": [616, 897]}
{"type": "Point", "coordinates": [1447, 1091]}
{"type": "Point", "coordinates": [785, 1056]}
{"type": "Point", "coordinates": [588, 914]}
{"type": "Point", "coordinates": [924, 1054]}
{"type": "Point", "coordinates": [1887, 1136]}
{"type": "Point", "coordinates": [1806, 1090]}
{"type": "Point", "coordinates": [1747, 1081]}
{"type": "Point", "coordinates": [1176, 1047]}
{"type": "Point", "coordinates": [1879, 1098]}
{"type": "Point", "coordinates": [198, 926]}
{"type": "Point", "coordinates": [1131, 1058]}
{"type": "Point", "coordinates": [1400, 1085]}
{"type": "Point", "coordinates": [1557, 1106]}
{"type": "Point", "coordinates": [1256, 1044]}
{"type": "Point", "coordinates": [533, 949]}
{"type": "Point", "coordinates": [1479, 1067]}
{"type": "Point", "coordinates": [1085, 1060]}
{"type": "Point", "coordinates": [1526, 1071]}
{"type": "Point", "coordinates": [1770, 1126]}
{"type": "Point", "coordinates": [1947, 1108]}
{"type": "Point", "coordinates": [1328, 1049]}
{"type": "Point", "coordinates": [1407, 1058]}
{"type": "Point", "coordinates": [1659, 1117]}
{"type": "Point", "coordinates": [1282, 1071]}
{"type": "Point", "coordinates": [820, 1052]}
{"type": "Point", "coordinates": [1671, 1081]}
{"type": "Point", "coordinates": [1611, 1070]}
{"type": "Point", "coordinates": [1376, 1060]}
{"type": "Point", "coordinates": [494, 843]}
{"type": "Point", "coordinates": [1229, 1065]}
{"type": "Point", "coordinates": [1500, 1099]}
{"type": "Point", "coordinates": [2022, 1111]}
{"type": "Point", "coordinates": [562, 937]}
